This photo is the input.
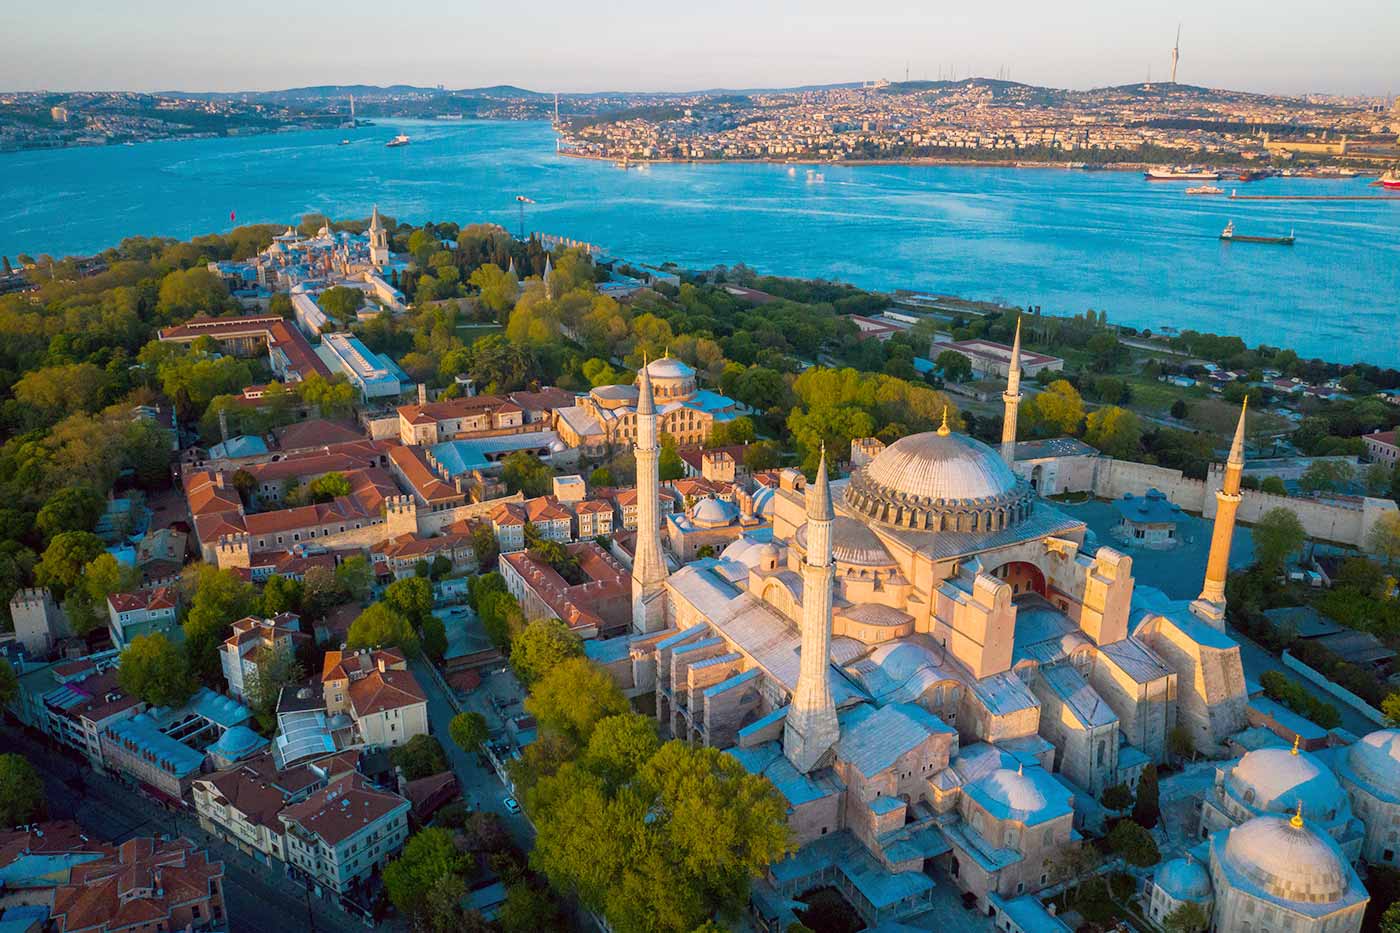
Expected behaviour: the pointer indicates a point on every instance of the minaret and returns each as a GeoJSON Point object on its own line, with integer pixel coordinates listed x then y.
{"type": "Point", "coordinates": [378, 241]}
{"type": "Point", "coordinates": [648, 564]}
{"type": "Point", "coordinates": [1012, 398]}
{"type": "Point", "coordinates": [1210, 605]}
{"type": "Point", "coordinates": [811, 728]}
{"type": "Point", "coordinates": [549, 289]}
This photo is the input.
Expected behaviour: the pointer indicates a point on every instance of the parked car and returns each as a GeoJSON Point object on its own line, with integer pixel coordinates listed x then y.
{"type": "Point", "coordinates": [512, 806]}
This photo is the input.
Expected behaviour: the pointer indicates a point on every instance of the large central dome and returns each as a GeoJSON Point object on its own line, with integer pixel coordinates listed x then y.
{"type": "Point", "coordinates": [941, 466]}
{"type": "Point", "coordinates": [940, 481]}
{"type": "Point", "coordinates": [1289, 860]}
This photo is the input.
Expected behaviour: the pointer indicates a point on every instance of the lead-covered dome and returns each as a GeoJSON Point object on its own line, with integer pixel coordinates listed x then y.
{"type": "Point", "coordinates": [1183, 879]}
{"type": "Point", "coordinates": [940, 481]}
{"type": "Point", "coordinates": [852, 543]}
{"type": "Point", "coordinates": [1277, 780]}
{"type": "Point", "coordinates": [1287, 859]}
{"type": "Point", "coordinates": [1376, 760]}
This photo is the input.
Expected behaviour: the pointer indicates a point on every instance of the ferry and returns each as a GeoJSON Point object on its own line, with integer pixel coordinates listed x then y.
{"type": "Point", "coordinates": [1390, 180]}
{"type": "Point", "coordinates": [1178, 173]}
{"type": "Point", "coordinates": [1229, 235]}
{"type": "Point", "coordinates": [1205, 189]}
{"type": "Point", "coordinates": [399, 140]}
{"type": "Point", "coordinates": [345, 142]}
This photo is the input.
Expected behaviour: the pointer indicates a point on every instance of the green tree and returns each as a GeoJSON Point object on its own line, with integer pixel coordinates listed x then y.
{"type": "Point", "coordinates": [327, 487]}
{"type": "Point", "coordinates": [72, 508]}
{"type": "Point", "coordinates": [497, 288]}
{"type": "Point", "coordinates": [1181, 744]}
{"type": "Point", "coordinates": [381, 626]}
{"type": "Point", "coordinates": [156, 670]}
{"type": "Point", "coordinates": [220, 598]}
{"type": "Point", "coordinates": [1391, 707]}
{"type": "Point", "coordinates": [733, 432]}
{"type": "Point", "coordinates": [1057, 410]}
{"type": "Point", "coordinates": [541, 647]}
{"type": "Point", "coordinates": [420, 757]}
{"type": "Point", "coordinates": [9, 683]}
{"type": "Point", "coordinates": [21, 791]}
{"type": "Point", "coordinates": [342, 303]}
{"type": "Point", "coordinates": [1117, 797]}
{"type": "Point", "coordinates": [469, 731]}
{"type": "Point", "coordinates": [355, 576]}
{"type": "Point", "coordinates": [55, 391]}
{"type": "Point", "coordinates": [187, 292]}
{"type": "Point", "coordinates": [1115, 431]}
{"type": "Point", "coordinates": [64, 560]}
{"type": "Point", "coordinates": [601, 478]}
{"type": "Point", "coordinates": [429, 855]}
{"type": "Point", "coordinates": [529, 910]}
{"type": "Point", "coordinates": [105, 576]}
{"type": "Point", "coordinates": [1277, 535]}
{"type": "Point", "coordinates": [1273, 485]}
{"type": "Point", "coordinates": [281, 594]}
{"type": "Point", "coordinates": [442, 907]}
{"type": "Point", "coordinates": [669, 465]}
{"type": "Point", "coordinates": [411, 597]}
{"type": "Point", "coordinates": [485, 548]}
{"type": "Point", "coordinates": [572, 697]}
{"type": "Point", "coordinates": [1384, 538]}
{"type": "Point", "coordinates": [1326, 476]}
{"type": "Point", "coordinates": [953, 365]}
{"type": "Point", "coordinates": [1191, 917]}
{"type": "Point", "coordinates": [523, 472]}
{"type": "Point", "coordinates": [1179, 409]}
{"type": "Point", "coordinates": [1134, 843]}
{"type": "Point", "coordinates": [262, 687]}
{"type": "Point", "coordinates": [1146, 808]}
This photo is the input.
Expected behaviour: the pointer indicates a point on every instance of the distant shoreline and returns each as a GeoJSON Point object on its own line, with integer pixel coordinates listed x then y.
{"type": "Point", "coordinates": [856, 163]}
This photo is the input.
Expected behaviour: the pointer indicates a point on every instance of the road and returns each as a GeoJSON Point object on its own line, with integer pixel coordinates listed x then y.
{"type": "Point", "coordinates": [1256, 660]}
{"type": "Point", "coordinates": [257, 897]}
{"type": "Point", "coordinates": [481, 789]}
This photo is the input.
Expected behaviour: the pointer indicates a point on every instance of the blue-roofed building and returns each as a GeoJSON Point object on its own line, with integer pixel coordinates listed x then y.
{"type": "Point", "coordinates": [163, 749]}
{"type": "Point", "coordinates": [1148, 520]}
{"type": "Point", "coordinates": [374, 375]}
{"type": "Point", "coordinates": [239, 447]}
{"type": "Point", "coordinates": [485, 453]}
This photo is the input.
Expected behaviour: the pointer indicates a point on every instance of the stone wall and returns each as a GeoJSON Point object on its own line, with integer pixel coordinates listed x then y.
{"type": "Point", "coordinates": [1340, 692]}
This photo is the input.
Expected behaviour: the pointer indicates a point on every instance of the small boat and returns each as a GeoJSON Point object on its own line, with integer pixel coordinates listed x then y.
{"type": "Point", "coordinates": [399, 140]}
{"type": "Point", "coordinates": [1390, 180]}
{"type": "Point", "coordinates": [1230, 236]}
{"type": "Point", "coordinates": [345, 142]}
{"type": "Point", "coordinates": [1205, 189]}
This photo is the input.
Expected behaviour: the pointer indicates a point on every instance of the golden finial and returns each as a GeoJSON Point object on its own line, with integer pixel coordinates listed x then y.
{"type": "Point", "coordinates": [1297, 821]}
{"type": "Point", "coordinates": [944, 430]}
{"type": "Point", "coordinates": [1020, 765]}
{"type": "Point", "coordinates": [1296, 739]}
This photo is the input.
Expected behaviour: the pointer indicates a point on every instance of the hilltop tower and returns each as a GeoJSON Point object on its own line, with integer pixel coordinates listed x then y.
{"type": "Point", "coordinates": [811, 728]}
{"type": "Point", "coordinates": [1012, 399]}
{"type": "Point", "coordinates": [378, 241]}
{"type": "Point", "coordinates": [1210, 605]}
{"type": "Point", "coordinates": [1176, 52]}
{"type": "Point", "coordinates": [648, 565]}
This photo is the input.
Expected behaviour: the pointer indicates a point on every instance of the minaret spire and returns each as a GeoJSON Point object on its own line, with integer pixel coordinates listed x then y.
{"type": "Point", "coordinates": [1012, 399]}
{"type": "Point", "coordinates": [811, 728]}
{"type": "Point", "coordinates": [648, 565]}
{"type": "Point", "coordinates": [1210, 605]}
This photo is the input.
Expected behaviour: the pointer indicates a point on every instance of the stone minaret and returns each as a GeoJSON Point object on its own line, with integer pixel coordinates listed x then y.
{"type": "Point", "coordinates": [1210, 605]}
{"type": "Point", "coordinates": [378, 241]}
{"type": "Point", "coordinates": [1012, 398]}
{"type": "Point", "coordinates": [648, 565]}
{"type": "Point", "coordinates": [548, 271]}
{"type": "Point", "coordinates": [811, 728]}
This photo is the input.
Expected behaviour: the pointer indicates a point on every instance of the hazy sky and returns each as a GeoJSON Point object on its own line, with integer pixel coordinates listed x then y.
{"type": "Point", "coordinates": [1286, 46]}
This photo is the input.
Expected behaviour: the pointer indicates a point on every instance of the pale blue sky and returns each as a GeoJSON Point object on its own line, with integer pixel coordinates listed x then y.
{"type": "Point", "coordinates": [1287, 46]}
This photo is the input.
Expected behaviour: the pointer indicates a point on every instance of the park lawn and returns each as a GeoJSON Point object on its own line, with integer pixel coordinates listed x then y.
{"type": "Point", "coordinates": [1217, 416]}
{"type": "Point", "coordinates": [470, 331]}
{"type": "Point", "coordinates": [1153, 397]}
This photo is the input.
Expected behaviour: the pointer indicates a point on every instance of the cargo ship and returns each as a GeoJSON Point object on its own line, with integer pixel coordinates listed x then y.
{"type": "Point", "coordinates": [399, 140]}
{"type": "Point", "coordinates": [1205, 189]}
{"type": "Point", "coordinates": [1178, 173]}
{"type": "Point", "coordinates": [1230, 236]}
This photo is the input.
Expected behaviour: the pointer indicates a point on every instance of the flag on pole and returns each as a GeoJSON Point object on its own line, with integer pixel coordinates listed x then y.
{"type": "Point", "coordinates": [232, 216]}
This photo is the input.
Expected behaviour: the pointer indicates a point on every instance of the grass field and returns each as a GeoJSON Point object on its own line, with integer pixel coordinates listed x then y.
{"type": "Point", "coordinates": [469, 331]}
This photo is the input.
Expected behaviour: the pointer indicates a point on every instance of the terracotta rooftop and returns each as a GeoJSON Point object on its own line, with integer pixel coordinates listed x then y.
{"type": "Point", "coordinates": [138, 888]}
{"type": "Point", "coordinates": [343, 809]}
{"type": "Point", "coordinates": [574, 604]}
{"type": "Point", "coordinates": [384, 690]}
{"type": "Point", "coordinates": [413, 464]}
{"type": "Point", "coordinates": [316, 432]}
{"type": "Point", "coordinates": [456, 408]}
{"type": "Point", "coordinates": [153, 599]}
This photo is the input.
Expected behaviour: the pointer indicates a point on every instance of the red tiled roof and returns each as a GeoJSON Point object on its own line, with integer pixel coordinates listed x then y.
{"type": "Point", "coordinates": [456, 408]}
{"type": "Point", "coordinates": [138, 887]}
{"type": "Point", "coordinates": [413, 464]}
{"type": "Point", "coordinates": [342, 809]}
{"type": "Point", "coordinates": [385, 690]}
{"type": "Point", "coordinates": [316, 432]}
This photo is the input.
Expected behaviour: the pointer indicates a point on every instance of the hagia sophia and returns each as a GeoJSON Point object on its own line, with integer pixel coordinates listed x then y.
{"type": "Point", "coordinates": [937, 667]}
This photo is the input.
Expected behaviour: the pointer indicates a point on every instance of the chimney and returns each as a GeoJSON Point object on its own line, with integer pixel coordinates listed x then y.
{"type": "Point", "coordinates": [422, 393]}
{"type": "Point", "coordinates": [402, 781]}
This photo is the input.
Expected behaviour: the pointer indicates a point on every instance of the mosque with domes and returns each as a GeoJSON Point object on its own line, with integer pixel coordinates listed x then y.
{"type": "Point", "coordinates": [931, 664]}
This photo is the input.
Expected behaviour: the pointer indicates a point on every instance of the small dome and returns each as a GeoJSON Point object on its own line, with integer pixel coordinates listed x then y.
{"type": "Point", "coordinates": [751, 553]}
{"type": "Point", "coordinates": [669, 368]}
{"type": "Point", "coordinates": [1014, 790]}
{"type": "Point", "coordinates": [852, 542]}
{"type": "Point", "coordinates": [1277, 779]}
{"type": "Point", "coordinates": [763, 502]}
{"type": "Point", "coordinates": [1183, 880]}
{"type": "Point", "coordinates": [1288, 860]}
{"type": "Point", "coordinates": [712, 513]}
{"type": "Point", "coordinates": [1376, 759]}
{"type": "Point", "coordinates": [934, 466]}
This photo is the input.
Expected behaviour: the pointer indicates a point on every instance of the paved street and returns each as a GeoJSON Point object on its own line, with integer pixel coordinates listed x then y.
{"type": "Point", "coordinates": [481, 789]}
{"type": "Point", "coordinates": [258, 898]}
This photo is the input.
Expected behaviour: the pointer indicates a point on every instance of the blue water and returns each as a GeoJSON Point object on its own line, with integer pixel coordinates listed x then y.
{"type": "Point", "coordinates": [1145, 253]}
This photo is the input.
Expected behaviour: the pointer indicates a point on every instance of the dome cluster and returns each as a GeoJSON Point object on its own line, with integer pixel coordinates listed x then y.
{"type": "Point", "coordinates": [940, 481]}
{"type": "Point", "coordinates": [1277, 780]}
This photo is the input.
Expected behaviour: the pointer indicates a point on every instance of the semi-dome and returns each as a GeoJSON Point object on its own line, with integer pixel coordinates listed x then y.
{"type": "Point", "coordinates": [763, 555]}
{"type": "Point", "coordinates": [1277, 780]}
{"type": "Point", "coordinates": [1183, 879]}
{"type": "Point", "coordinates": [940, 481]}
{"type": "Point", "coordinates": [1288, 859]}
{"type": "Point", "coordinates": [1376, 760]}
{"type": "Point", "coordinates": [852, 542]}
